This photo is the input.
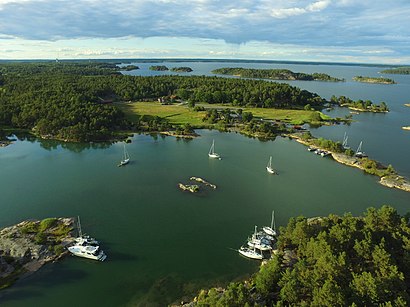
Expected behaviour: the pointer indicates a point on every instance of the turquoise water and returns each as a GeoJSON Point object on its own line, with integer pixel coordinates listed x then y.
{"type": "Point", "coordinates": [159, 239]}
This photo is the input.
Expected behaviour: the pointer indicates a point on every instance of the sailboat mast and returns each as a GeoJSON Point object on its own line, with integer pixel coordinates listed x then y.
{"type": "Point", "coordinates": [80, 233]}
{"type": "Point", "coordinates": [273, 221]}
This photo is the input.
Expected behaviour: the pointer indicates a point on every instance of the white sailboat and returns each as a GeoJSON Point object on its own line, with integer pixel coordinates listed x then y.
{"type": "Point", "coordinates": [272, 229]}
{"type": "Point", "coordinates": [344, 144]}
{"type": "Point", "coordinates": [259, 242]}
{"type": "Point", "coordinates": [86, 247]}
{"type": "Point", "coordinates": [250, 253]}
{"type": "Point", "coordinates": [126, 158]}
{"type": "Point", "coordinates": [212, 153]}
{"type": "Point", "coordinates": [359, 153]}
{"type": "Point", "coordinates": [269, 166]}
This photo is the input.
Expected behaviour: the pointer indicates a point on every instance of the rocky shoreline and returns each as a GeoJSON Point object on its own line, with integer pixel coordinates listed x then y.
{"type": "Point", "coordinates": [391, 181]}
{"type": "Point", "coordinates": [27, 246]}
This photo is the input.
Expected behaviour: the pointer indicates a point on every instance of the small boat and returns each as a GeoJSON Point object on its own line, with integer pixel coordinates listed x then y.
{"type": "Point", "coordinates": [269, 166]}
{"type": "Point", "coordinates": [212, 153]}
{"type": "Point", "coordinates": [88, 251]}
{"type": "Point", "coordinates": [359, 153]}
{"type": "Point", "coordinates": [310, 148]}
{"type": "Point", "coordinates": [324, 153]}
{"type": "Point", "coordinates": [250, 253]}
{"type": "Point", "coordinates": [126, 158]}
{"type": "Point", "coordinates": [272, 229]}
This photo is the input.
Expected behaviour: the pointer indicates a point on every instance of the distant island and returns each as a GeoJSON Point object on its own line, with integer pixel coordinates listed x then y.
{"type": "Point", "coordinates": [397, 71]}
{"type": "Point", "coordinates": [181, 69]}
{"type": "Point", "coordinates": [274, 74]}
{"type": "Point", "coordinates": [27, 246]}
{"type": "Point", "coordinates": [159, 68]}
{"type": "Point", "coordinates": [379, 80]}
{"type": "Point", "coordinates": [129, 67]}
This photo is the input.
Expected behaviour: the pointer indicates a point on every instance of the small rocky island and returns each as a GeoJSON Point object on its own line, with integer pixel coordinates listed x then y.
{"type": "Point", "coordinates": [379, 80]}
{"type": "Point", "coordinates": [159, 68]}
{"type": "Point", "coordinates": [27, 246]}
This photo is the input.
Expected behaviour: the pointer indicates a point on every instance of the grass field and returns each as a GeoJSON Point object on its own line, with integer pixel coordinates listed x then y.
{"type": "Point", "coordinates": [176, 114]}
{"type": "Point", "coordinates": [181, 114]}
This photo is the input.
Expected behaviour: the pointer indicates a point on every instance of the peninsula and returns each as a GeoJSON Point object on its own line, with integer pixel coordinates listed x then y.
{"type": "Point", "coordinates": [388, 176]}
{"type": "Point", "coordinates": [27, 246]}
{"type": "Point", "coordinates": [274, 74]}
{"type": "Point", "coordinates": [379, 80]}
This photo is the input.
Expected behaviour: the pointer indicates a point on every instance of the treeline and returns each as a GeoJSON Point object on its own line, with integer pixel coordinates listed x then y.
{"type": "Point", "coordinates": [398, 71]}
{"type": "Point", "coordinates": [361, 105]}
{"type": "Point", "coordinates": [69, 68]}
{"type": "Point", "coordinates": [276, 74]}
{"type": "Point", "coordinates": [330, 261]}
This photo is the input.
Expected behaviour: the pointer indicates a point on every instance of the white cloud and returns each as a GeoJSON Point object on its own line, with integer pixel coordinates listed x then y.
{"type": "Point", "coordinates": [305, 23]}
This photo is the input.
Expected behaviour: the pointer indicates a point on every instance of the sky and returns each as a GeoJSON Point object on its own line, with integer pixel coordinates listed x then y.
{"type": "Point", "coordinates": [359, 31]}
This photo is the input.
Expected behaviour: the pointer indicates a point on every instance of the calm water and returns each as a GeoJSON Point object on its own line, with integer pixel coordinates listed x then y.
{"type": "Point", "coordinates": [159, 239]}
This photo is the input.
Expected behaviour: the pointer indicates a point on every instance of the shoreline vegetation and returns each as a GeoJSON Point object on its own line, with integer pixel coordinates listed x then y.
{"type": "Point", "coordinates": [274, 74]}
{"type": "Point", "coordinates": [379, 80]}
{"type": "Point", "coordinates": [327, 261]}
{"type": "Point", "coordinates": [27, 246]}
{"type": "Point", "coordinates": [388, 176]}
{"type": "Point", "coordinates": [359, 105]}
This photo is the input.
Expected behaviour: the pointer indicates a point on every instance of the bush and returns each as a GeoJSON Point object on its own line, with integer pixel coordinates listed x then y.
{"type": "Point", "coordinates": [47, 224]}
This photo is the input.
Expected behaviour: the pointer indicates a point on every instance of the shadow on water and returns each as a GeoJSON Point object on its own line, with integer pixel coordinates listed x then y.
{"type": "Point", "coordinates": [46, 277]}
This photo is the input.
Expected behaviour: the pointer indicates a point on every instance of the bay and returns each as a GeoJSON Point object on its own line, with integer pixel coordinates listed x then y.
{"type": "Point", "coordinates": [158, 238]}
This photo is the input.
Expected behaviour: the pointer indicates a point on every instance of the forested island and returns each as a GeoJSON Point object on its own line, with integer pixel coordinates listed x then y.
{"type": "Point", "coordinates": [86, 102]}
{"type": "Point", "coordinates": [397, 71]}
{"type": "Point", "coordinates": [275, 74]}
{"type": "Point", "coordinates": [129, 67]}
{"type": "Point", "coordinates": [359, 105]}
{"type": "Point", "coordinates": [329, 261]}
{"type": "Point", "coordinates": [379, 80]}
{"type": "Point", "coordinates": [181, 69]}
{"type": "Point", "coordinates": [159, 68]}
{"type": "Point", "coordinates": [25, 247]}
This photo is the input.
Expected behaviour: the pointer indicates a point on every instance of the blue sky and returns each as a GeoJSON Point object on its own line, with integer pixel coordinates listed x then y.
{"type": "Point", "coordinates": [365, 31]}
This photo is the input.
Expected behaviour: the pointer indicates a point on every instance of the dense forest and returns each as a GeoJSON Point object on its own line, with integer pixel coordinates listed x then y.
{"type": "Point", "coordinates": [330, 261]}
{"type": "Point", "coordinates": [74, 101]}
{"type": "Point", "coordinates": [398, 71]}
{"type": "Point", "coordinates": [276, 74]}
